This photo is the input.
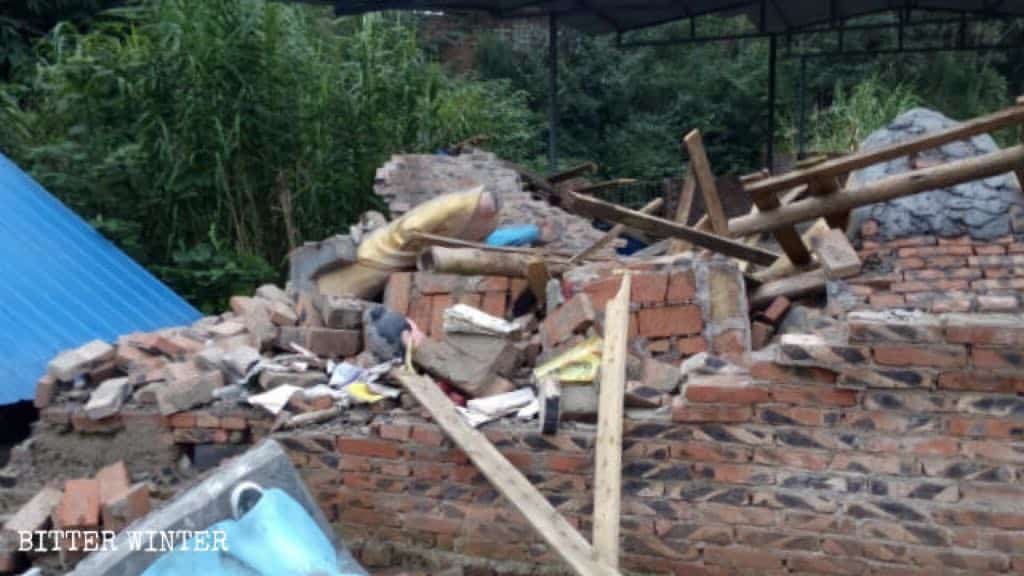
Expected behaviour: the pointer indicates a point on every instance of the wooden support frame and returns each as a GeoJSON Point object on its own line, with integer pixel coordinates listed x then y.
{"type": "Point", "coordinates": [614, 233]}
{"type": "Point", "coordinates": [905, 184]}
{"type": "Point", "coordinates": [610, 409]}
{"type": "Point", "coordinates": [846, 164]}
{"type": "Point", "coordinates": [787, 237]}
{"type": "Point", "coordinates": [683, 208]}
{"type": "Point", "coordinates": [595, 208]}
{"type": "Point", "coordinates": [706, 179]}
{"type": "Point", "coordinates": [506, 478]}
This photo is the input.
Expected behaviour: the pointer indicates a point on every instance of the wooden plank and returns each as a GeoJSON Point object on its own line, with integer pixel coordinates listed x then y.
{"type": "Point", "coordinates": [791, 287]}
{"type": "Point", "coordinates": [654, 226]}
{"type": "Point", "coordinates": [706, 179]}
{"type": "Point", "coordinates": [836, 255]}
{"type": "Point", "coordinates": [591, 188]}
{"type": "Point", "coordinates": [537, 279]}
{"type": "Point", "coordinates": [614, 233]}
{"type": "Point", "coordinates": [683, 209]}
{"type": "Point", "coordinates": [847, 164]}
{"type": "Point", "coordinates": [942, 176]}
{"type": "Point", "coordinates": [788, 238]}
{"type": "Point", "coordinates": [608, 457]}
{"type": "Point", "coordinates": [825, 187]}
{"type": "Point", "coordinates": [574, 172]}
{"type": "Point", "coordinates": [506, 478]}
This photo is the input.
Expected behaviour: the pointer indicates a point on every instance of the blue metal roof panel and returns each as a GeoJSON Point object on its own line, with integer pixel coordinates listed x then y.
{"type": "Point", "coordinates": [65, 284]}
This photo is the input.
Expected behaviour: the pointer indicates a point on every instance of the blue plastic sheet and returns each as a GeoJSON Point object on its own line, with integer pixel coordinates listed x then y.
{"type": "Point", "coordinates": [524, 235]}
{"type": "Point", "coordinates": [275, 538]}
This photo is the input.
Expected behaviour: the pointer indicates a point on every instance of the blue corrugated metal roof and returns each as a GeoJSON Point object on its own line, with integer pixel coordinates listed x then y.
{"type": "Point", "coordinates": [64, 284]}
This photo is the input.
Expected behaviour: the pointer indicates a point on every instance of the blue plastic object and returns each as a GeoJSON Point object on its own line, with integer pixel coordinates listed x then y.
{"type": "Point", "coordinates": [275, 538]}
{"type": "Point", "coordinates": [64, 284]}
{"type": "Point", "coordinates": [524, 235]}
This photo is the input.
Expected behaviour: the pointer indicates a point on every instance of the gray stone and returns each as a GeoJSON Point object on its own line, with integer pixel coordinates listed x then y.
{"type": "Point", "coordinates": [240, 360]}
{"type": "Point", "coordinates": [313, 258]}
{"type": "Point", "coordinates": [274, 294]}
{"type": "Point", "coordinates": [35, 514]}
{"type": "Point", "coordinates": [981, 209]}
{"type": "Point", "coordinates": [210, 502]}
{"type": "Point", "coordinates": [107, 399]}
{"type": "Point", "coordinates": [341, 312]}
{"type": "Point", "coordinates": [270, 379]}
{"type": "Point", "coordinates": [209, 358]}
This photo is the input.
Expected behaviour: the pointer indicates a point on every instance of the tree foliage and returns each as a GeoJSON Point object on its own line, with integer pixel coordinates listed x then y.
{"type": "Point", "coordinates": [206, 136]}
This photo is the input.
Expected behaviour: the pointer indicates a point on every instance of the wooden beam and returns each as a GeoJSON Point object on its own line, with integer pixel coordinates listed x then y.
{"type": "Point", "coordinates": [574, 172]}
{"type": "Point", "coordinates": [836, 255]}
{"type": "Point", "coordinates": [1020, 171]}
{"type": "Point", "coordinates": [683, 209]}
{"type": "Point", "coordinates": [791, 287]}
{"type": "Point", "coordinates": [591, 188]}
{"type": "Point", "coordinates": [708, 189]}
{"type": "Point", "coordinates": [509, 481]}
{"type": "Point", "coordinates": [608, 457]}
{"type": "Point", "coordinates": [825, 187]}
{"type": "Point", "coordinates": [614, 233]}
{"type": "Point", "coordinates": [847, 164]}
{"type": "Point", "coordinates": [941, 176]}
{"type": "Point", "coordinates": [595, 208]}
{"type": "Point", "coordinates": [788, 238]}
{"type": "Point", "coordinates": [472, 262]}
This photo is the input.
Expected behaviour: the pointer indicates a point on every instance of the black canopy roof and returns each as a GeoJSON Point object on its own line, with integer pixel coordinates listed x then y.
{"type": "Point", "coordinates": [771, 16]}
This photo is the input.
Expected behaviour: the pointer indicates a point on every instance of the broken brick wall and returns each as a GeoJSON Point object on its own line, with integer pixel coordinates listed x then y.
{"type": "Point", "coordinates": [915, 466]}
{"type": "Point", "coordinates": [935, 274]}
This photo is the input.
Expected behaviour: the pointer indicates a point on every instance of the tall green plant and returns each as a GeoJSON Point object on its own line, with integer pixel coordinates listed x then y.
{"type": "Point", "coordinates": [213, 132]}
{"type": "Point", "coordinates": [856, 113]}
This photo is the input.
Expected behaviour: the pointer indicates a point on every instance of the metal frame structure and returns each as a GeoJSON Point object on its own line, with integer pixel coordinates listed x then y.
{"type": "Point", "coordinates": [774, 20]}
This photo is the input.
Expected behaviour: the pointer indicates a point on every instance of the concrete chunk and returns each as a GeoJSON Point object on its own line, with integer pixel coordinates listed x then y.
{"type": "Point", "coordinates": [126, 507]}
{"type": "Point", "coordinates": [72, 363]}
{"type": "Point", "coordinates": [185, 393]}
{"type": "Point", "coordinates": [836, 255]}
{"type": "Point", "coordinates": [313, 258]}
{"type": "Point", "coordinates": [342, 313]}
{"type": "Point", "coordinates": [80, 505]}
{"type": "Point", "coordinates": [274, 294]}
{"type": "Point", "coordinates": [240, 360]}
{"type": "Point", "coordinates": [107, 399]}
{"type": "Point", "coordinates": [35, 514]}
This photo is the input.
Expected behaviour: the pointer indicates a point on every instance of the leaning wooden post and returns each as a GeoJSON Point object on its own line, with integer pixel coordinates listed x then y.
{"type": "Point", "coordinates": [608, 460]}
{"type": "Point", "coordinates": [614, 233]}
{"type": "Point", "coordinates": [706, 179]}
{"type": "Point", "coordinates": [683, 210]}
{"type": "Point", "coordinates": [561, 536]}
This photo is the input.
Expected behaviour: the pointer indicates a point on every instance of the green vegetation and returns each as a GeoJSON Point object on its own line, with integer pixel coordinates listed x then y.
{"type": "Point", "coordinates": [208, 137]}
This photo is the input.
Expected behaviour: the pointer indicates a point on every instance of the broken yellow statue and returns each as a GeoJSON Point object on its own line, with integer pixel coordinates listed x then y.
{"type": "Point", "coordinates": [470, 215]}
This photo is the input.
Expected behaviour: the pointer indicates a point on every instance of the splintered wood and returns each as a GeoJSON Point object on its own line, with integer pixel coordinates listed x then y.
{"type": "Point", "coordinates": [836, 255]}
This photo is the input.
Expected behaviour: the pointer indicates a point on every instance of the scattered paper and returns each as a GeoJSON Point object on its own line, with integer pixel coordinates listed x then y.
{"type": "Point", "coordinates": [275, 400]}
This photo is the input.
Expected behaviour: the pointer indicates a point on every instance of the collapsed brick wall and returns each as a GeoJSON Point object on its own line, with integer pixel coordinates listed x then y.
{"type": "Point", "coordinates": [939, 274]}
{"type": "Point", "coordinates": [424, 296]}
{"type": "Point", "coordinates": [784, 469]}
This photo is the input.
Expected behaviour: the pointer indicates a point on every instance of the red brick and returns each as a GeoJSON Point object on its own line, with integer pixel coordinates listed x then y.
{"type": "Point", "coordinates": [731, 344]}
{"type": "Point", "coordinates": [773, 372]}
{"type": "Point", "coordinates": [427, 435]}
{"type": "Point", "coordinates": [981, 382]}
{"type": "Point", "coordinates": [934, 355]}
{"type": "Point", "coordinates": [709, 452]}
{"type": "Point", "coordinates": [681, 287]}
{"type": "Point", "coordinates": [903, 287]}
{"type": "Point", "coordinates": [668, 321]}
{"type": "Point", "coordinates": [690, 345]}
{"type": "Point", "coordinates": [775, 311]}
{"type": "Point", "coordinates": [400, 432]}
{"type": "Point", "coordinates": [601, 291]}
{"type": "Point", "coordinates": [438, 304]}
{"type": "Point", "coordinates": [814, 396]}
{"type": "Point", "coordinates": [207, 420]}
{"type": "Point", "coordinates": [993, 303]}
{"type": "Point", "coordinates": [182, 420]}
{"type": "Point", "coordinates": [420, 313]}
{"type": "Point", "coordinates": [80, 505]}
{"type": "Point", "coordinates": [573, 317]}
{"type": "Point", "coordinates": [471, 299]}
{"type": "Point", "coordinates": [985, 427]}
{"type": "Point", "coordinates": [743, 557]}
{"type": "Point", "coordinates": [368, 447]}
{"type": "Point", "coordinates": [932, 446]}
{"type": "Point", "coordinates": [997, 358]}
{"type": "Point", "coordinates": [46, 389]}
{"type": "Point", "coordinates": [886, 300]}
{"type": "Point", "coordinates": [735, 473]}
{"type": "Point", "coordinates": [113, 481]}
{"type": "Point", "coordinates": [683, 412]}
{"type": "Point", "coordinates": [494, 303]}
{"type": "Point", "coordinates": [760, 334]}
{"type": "Point", "coordinates": [493, 284]}
{"type": "Point", "coordinates": [233, 423]}
{"type": "Point", "coordinates": [826, 564]}
{"type": "Point", "coordinates": [567, 463]}
{"type": "Point", "coordinates": [648, 288]}
{"type": "Point", "coordinates": [793, 415]}
{"type": "Point", "coordinates": [725, 389]}
{"type": "Point", "coordinates": [398, 291]}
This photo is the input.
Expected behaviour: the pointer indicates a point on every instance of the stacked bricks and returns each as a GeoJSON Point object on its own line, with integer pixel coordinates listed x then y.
{"type": "Point", "coordinates": [424, 296]}
{"type": "Point", "coordinates": [939, 274]}
{"type": "Point", "coordinates": [680, 306]}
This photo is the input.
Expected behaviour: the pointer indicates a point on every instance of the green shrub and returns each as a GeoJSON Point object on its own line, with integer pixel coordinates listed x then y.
{"type": "Point", "coordinates": [218, 126]}
{"type": "Point", "coordinates": [858, 112]}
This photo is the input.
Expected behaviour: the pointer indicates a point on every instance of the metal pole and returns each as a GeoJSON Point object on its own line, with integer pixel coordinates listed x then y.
{"type": "Point", "coordinates": [552, 91]}
{"type": "Point", "coordinates": [801, 122]}
{"type": "Point", "coordinates": [770, 152]}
